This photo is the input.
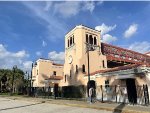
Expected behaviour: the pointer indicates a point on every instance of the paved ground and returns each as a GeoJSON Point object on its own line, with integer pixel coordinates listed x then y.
{"type": "Point", "coordinates": [24, 106]}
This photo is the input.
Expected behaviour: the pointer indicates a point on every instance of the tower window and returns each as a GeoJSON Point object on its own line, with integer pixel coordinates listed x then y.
{"type": "Point", "coordinates": [65, 78]}
{"type": "Point", "coordinates": [70, 73]}
{"type": "Point", "coordinates": [87, 39]}
{"type": "Point", "coordinates": [103, 64]}
{"type": "Point", "coordinates": [73, 39]}
{"type": "Point", "coordinates": [37, 71]}
{"type": "Point", "coordinates": [91, 39]}
{"type": "Point", "coordinates": [76, 69]}
{"type": "Point", "coordinates": [70, 41]}
{"type": "Point", "coordinates": [83, 68]}
{"type": "Point", "coordinates": [95, 41]}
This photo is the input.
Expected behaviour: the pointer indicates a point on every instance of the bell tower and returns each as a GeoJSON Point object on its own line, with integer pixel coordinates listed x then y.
{"type": "Point", "coordinates": [75, 67]}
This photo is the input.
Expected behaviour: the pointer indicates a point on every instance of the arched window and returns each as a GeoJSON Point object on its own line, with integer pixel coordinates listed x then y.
{"type": "Point", "coordinates": [103, 64]}
{"type": "Point", "coordinates": [76, 69]}
{"type": "Point", "coordinates": [87, 39]}
{"type": "Point", "coordinates": [91, 39]}
{"type": "Point", "coordinates": [95, 41]}
{"type": "Point", "coordinates": [83, 68]}
{"type": "Point", "coordinates": [73, 39]}
{"type": "Point", "coordinates": [70, 41]}
{"type": "Point", "coordinates": [65, 78]}
{"type": "Point", "coordinates": [70, 73]}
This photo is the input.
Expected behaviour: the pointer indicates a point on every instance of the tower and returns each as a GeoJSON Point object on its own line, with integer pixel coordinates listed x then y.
{"type": "Point", "coordinates": [75, 67]}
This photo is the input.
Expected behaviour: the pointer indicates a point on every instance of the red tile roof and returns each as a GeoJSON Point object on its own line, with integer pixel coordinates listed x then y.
{"type": "Point", "coordinates": [55, 78]}
{"type": "Point", "coordinates": [130, 66]}
{"type": "Point", "coordinates": [58, 64]}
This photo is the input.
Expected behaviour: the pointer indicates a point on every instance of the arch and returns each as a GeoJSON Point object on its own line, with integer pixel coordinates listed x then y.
{"type": "Point", "coordinates": [70, 41]}
{"type": "Point", "coordinates": [90, 39]}
{"type": "Point", "coordinates": [73, 39]}
{"type": "Point", "coordinates": [83, 68]}
{"type": "Point", "coordinates": [76, 68]}
{"type": "Point", "coordinates": [87, 38]}
{"type": "Point", "coordinates": [95, 41]}
{"type": "Point", "coordinates": [92, 84]}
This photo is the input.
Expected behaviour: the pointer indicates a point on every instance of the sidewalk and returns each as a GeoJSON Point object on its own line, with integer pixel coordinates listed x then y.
{"type": "Point", "coordinates": [114, 107]}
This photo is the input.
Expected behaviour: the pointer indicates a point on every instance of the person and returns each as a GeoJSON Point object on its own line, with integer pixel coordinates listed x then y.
{"type": "Point", "coordinates": [91, 94]}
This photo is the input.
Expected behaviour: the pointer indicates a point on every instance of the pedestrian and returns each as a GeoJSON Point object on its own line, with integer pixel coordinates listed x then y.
{"type": "Point", "coordinates": [91, 90]}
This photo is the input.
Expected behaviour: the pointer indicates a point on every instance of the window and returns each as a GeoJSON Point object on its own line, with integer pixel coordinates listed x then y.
{"type": "Point", "coordinates": [73, 39]}
{"type": "Point", "coordinates": [37, 72]}
{"type": "Point", "coordinates": [83, 68]}
{"type": "Point", "coordinates": [70, 73]}
{"type": "Point", "coordinates": [68, 43]}
{"type": "Point", "coordinates": [103, 64]}
{"type": "Point", "coordinates": [54, 73]}
{"type": "Point", "coordinates": [76, 69]}
{"type": "Point", "coordinates": [87, 39]}
{"type": "Point", "coordinates": [65, 78]}
{"type": "Point", "coordinates": [91, 39]}
{"type": "Point", "coordinates": [106, 83]}
{"type": "Point", "coordinates": [95, 41]}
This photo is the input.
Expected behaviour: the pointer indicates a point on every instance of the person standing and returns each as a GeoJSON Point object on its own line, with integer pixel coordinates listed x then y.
{"type": "Point", "coordinates": [91, 90]}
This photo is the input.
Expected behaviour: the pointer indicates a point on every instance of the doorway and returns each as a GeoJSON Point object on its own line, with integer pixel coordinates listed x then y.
{"type": "Point", "coordinates": [55, 90]}
{"type": "Point", "coordinates": [131, 90]}
{"type": "Point", "coordinates": [92, 84]}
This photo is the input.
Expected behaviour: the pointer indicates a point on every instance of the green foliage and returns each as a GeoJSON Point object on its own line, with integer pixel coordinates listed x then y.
{"type": "Point", "coordinates": [6, 79]}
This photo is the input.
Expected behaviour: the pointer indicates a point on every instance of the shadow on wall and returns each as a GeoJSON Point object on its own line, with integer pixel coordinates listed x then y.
{"type": "Point", "coordinates": [75, 89]}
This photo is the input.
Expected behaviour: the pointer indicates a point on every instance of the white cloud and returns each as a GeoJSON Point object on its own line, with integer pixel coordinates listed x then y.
{"type": "Point", "coordinates": [105, 37]}
{"type": "Point", "coordinates": [9, 59]}
{"type": "Point", "coordinates": [104, 28]}
{"type": "Point", "coordinates": [72, 8]}
{"type": "Point", "coordinates": [38, 53]}
{"type": "Point", "coordinates": [27, 65]}
{"type": "Point", "coordinates": [131, 31]}
{"type": "Point", "coordinates": [108, 38]}
{"type": "Point", "coordinates": [58, 57]}
{"type": "Point", "coordinates": [54, 28]}
{"type": "Point", "coordinates": [44, 43]}
{"type": "Point", "coordinates": [141, 47]}
{"type": "Point", "coordinates": [89, 6]}
{"type": "Point", "coordinates": [67, 9]}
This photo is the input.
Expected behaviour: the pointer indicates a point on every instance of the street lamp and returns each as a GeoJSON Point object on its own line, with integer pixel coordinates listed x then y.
{"type": "Point", "coordinates": [89, 47]}
{"type": "Point", "coordinates": [14, 69]}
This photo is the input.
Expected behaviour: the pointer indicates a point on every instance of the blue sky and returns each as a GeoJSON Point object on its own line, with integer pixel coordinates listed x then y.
{"type": "Point", "coordinates": [31, 30]}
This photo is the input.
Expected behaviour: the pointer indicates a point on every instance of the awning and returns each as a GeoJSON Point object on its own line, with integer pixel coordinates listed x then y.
{"type": "Point", "coordinates": [125, 76]}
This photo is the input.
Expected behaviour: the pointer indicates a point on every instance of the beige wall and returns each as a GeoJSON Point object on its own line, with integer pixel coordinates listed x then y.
{"type": "Point", "coordinates": [79, 56]}
{"type": "Point", "coordinates": [45, 69]}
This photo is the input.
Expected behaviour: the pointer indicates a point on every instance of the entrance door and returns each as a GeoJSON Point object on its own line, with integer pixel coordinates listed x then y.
{"type": "Point", "coordinates": [131, 90]}
{"type": "Point", "coordinates": [90, 84]}
{"type": "Point", "coordinates": [56, 90]}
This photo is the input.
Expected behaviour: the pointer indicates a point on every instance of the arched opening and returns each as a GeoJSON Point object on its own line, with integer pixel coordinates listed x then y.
{"type": "Point", "coordinates": [73, 39]}
{"type": "Point", "coordinates": [91, 39]}
{"type": "Point", "coordinates": [92, 84]}
{"type": "Point", "coordinates": [76, 68]}
{"type": "Point", "coordinates": [70, 41]}
{"type": "Point", "coordinates": [95, 41]}
{"type": "Point", "coordinates": [83, 68]}
{"type": "Point", "coordinates": [87, 39]}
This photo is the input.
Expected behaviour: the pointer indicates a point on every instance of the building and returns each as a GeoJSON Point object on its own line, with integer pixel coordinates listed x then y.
{"type": "Point", "coordinates": [46, 72]}
{"type": "Point", "coordinates": [107, 65]}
